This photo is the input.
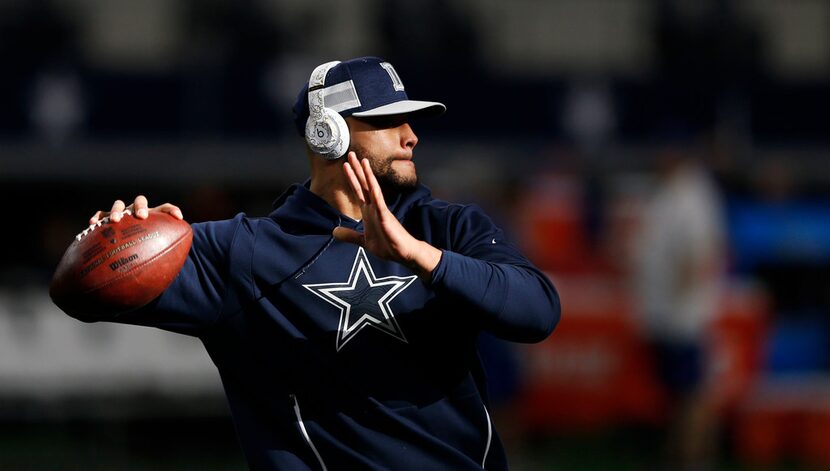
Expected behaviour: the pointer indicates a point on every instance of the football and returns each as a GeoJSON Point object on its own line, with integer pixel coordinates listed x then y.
{"type": "Point", "coordinates": [115, 267]}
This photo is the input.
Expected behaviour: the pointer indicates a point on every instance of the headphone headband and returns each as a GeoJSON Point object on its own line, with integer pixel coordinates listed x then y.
{"type": "Point", "coordinates": [318, 76]}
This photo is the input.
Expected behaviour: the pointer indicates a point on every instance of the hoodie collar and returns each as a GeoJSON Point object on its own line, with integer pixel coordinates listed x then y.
{"type": "Point", "coordinates": [300, 210]}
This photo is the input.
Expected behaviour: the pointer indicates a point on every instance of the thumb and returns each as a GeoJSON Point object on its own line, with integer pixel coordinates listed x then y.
{"type": "Point", "coordinates": [348, 235]}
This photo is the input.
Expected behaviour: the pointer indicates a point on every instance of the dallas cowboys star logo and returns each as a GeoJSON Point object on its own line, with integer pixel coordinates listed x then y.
{"type": "Point", "coordinates": [364, 300]}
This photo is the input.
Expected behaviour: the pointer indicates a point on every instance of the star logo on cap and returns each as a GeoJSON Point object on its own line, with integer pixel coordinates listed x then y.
{"type": "Point", "coordinates": [364, 300]}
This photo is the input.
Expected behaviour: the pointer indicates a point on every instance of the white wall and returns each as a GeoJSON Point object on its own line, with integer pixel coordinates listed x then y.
{"type": "Point", "coordinates": [46, 354]}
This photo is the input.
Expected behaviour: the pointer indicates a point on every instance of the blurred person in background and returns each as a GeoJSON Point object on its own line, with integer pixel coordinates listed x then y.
{"type": "Point", "coordinates": [282, 302]}
{"type": "Point", "coordinates": [678, 264]}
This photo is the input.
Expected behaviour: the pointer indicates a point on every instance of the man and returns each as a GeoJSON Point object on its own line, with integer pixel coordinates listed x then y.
{"type": "Point", "coordinates": [678, 270]}
{"type": "Point", "coordinates": [344, 324]}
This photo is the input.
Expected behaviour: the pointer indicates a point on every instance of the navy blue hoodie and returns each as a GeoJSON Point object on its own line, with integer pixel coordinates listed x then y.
{"type": "Point", "coordinates": [334, 359]}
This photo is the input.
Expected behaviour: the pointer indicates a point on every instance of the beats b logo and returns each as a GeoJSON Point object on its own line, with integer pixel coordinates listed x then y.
{"type": "Point", "coordinates": [323, 132]}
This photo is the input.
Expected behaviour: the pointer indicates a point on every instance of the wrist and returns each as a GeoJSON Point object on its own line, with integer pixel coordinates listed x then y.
{"type": "Point", "coordinates": [424, 260]}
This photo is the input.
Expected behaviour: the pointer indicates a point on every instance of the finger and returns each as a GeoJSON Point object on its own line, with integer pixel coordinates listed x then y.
{"type": "Point", "coordinates": [374, 187]}
{"type": "Point", "coordinates": [117, 211]}
{"type": "Point", "coordinates": [345, 234]}
{"type": "Point", "coordinates": [140, 207]}
{"type": "Point", "coordinates": [353, 182]}
{"type": "Point", "coordinates": [358, 170]}
{"type": "Point", "coordinates": [170, 209]}
{"type": "Point", "coordinates": [97, 217]}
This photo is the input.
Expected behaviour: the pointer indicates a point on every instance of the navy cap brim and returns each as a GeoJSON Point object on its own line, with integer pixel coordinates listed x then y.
{"type": "Point", "coordinates": [432, 108]}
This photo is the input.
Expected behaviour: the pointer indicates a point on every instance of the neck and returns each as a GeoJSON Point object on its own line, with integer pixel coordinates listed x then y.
{"type": "Point", "coordinates": [329, 182]}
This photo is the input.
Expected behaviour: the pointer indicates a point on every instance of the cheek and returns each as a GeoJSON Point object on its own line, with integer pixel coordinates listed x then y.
{"type": "Point", "coordinates": [377, 141]}
{"type": "Point", "coordinates": [364, 144]}
{"type": "Point", "coordinates": [380, 166]}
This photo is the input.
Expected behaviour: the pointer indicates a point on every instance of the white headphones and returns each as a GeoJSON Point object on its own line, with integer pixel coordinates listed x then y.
{"type": "Point", "coordinates": [326, 131]}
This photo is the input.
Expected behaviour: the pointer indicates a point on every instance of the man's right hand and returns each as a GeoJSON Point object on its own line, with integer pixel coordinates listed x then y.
{"type": "Point", "coordinates": [139, 209]}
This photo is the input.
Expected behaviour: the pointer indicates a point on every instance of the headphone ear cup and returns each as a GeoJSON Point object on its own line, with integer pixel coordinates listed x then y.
{"type": "Point", "coordinates": [327, 134]}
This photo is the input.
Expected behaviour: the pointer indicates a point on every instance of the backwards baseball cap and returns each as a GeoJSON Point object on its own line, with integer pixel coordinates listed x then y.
{"type": "Point", "coordinates": [363, 87]}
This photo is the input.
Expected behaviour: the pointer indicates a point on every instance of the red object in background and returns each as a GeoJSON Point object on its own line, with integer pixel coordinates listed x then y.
{"type": "Point", "coordinates": [786, 420]}
{"type": "Point", "coordinates": [763, 435]}
{"type": "Point", "coordinates": [816, 439]}
{"type": "Point", "coordinates": [550, 218]}
{"type": "Point", "coordinates": [595, 370]}
{"type": "Point", "coordinates": [736, 343]}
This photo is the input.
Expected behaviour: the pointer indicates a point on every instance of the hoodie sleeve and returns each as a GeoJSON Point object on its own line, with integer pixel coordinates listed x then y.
{"type": "Point", "coordinates": [515, 300]}
{"type": "Point", "coordinates": [195, 299]}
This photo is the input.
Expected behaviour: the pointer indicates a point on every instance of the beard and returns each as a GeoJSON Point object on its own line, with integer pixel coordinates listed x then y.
{"type": "Point", "coordinates": [390, 181]}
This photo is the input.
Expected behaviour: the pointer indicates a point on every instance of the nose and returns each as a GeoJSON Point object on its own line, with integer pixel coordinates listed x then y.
{"type": "Point", "coordinates": [408, 138]}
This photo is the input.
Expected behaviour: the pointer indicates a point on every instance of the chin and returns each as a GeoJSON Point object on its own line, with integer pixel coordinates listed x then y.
{"type": "Point", "coordinates": [397, 183]}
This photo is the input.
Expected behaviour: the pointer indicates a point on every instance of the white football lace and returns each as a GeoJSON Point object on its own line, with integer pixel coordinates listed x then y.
{"type": "Point", "coordinates": [98, 224]}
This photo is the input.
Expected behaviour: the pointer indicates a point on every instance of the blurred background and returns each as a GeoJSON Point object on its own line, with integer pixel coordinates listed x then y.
{"type": "Point", "coordinates": [664, 161]}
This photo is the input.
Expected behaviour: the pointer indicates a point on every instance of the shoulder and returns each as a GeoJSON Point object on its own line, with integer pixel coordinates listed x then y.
{"type": "Point", "coordinates": [455, 213]}
{"type": "Point", "coordinates": [439, 207]}
{"type": "Point", "coordinates": [452, 225]}
{"type": "Point", "coordinates": [224, 234]}
{"type": "Point", "coordinates": [220, 230]}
